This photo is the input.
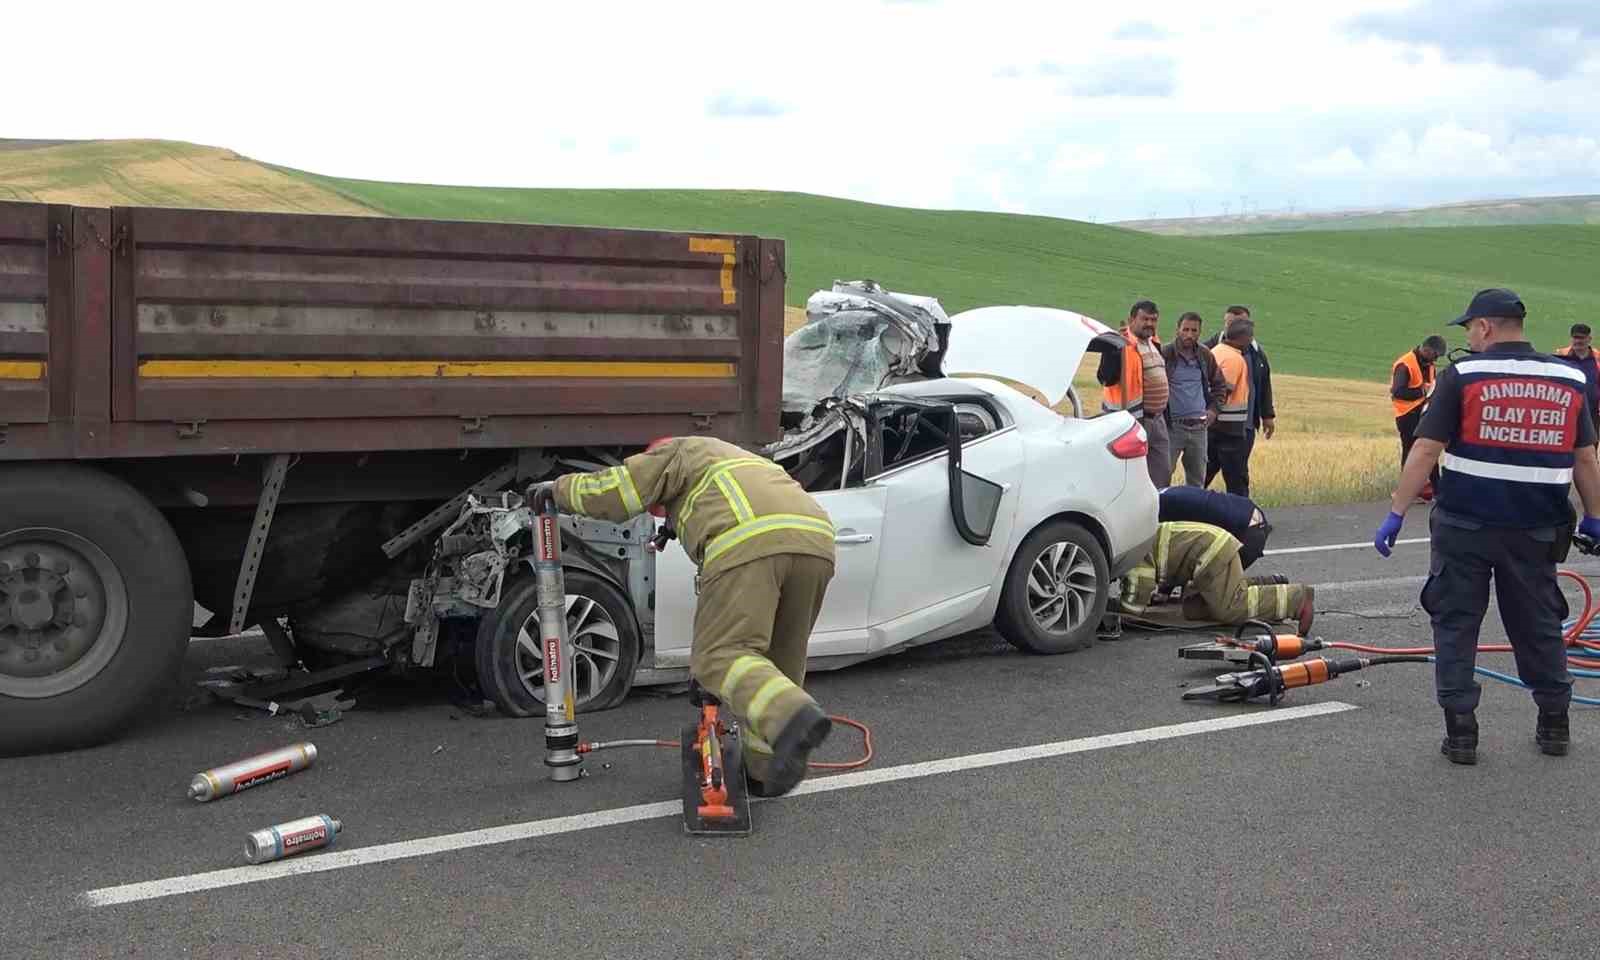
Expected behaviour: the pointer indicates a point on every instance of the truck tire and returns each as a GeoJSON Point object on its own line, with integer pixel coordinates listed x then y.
{"type": "Point", "coordinates": [96, 607]}
{"type": "Point", "coordinates": [1055, 591]}
{"type": "Point", "coordinates": [605, 638]}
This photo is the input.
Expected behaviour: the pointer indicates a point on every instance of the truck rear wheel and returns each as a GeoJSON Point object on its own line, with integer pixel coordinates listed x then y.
{"type": "Point", "coordinates": [95, 606]}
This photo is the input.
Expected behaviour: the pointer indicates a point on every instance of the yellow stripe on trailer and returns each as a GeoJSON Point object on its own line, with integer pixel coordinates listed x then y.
{"type": "Point", "coordinates": [409, 369]}
{"type": "Point", "coordinates": [21, 370]}
{"type": "Point", "coordinates": [725, 277]}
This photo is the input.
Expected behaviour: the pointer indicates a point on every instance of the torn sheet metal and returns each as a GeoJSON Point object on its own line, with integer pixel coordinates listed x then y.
{"type": "Point", "coordinates": [859, 337]}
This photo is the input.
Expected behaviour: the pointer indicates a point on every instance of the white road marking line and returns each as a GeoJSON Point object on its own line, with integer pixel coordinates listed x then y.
{"type": "Point", "coordinates": [1367, 584]}
{"type": "Point", "coordinates": [1337, 546]}
{"type": "Point", "coordinates": [427, 846]}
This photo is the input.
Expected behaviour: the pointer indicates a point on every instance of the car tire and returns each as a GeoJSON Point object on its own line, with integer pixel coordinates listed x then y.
{"type": "Point", "coordinates": [1058, 553]}
{"type": "Point", "coordinates": [604, 633]}
{"type": "Point", "coordinates": [96, 607]}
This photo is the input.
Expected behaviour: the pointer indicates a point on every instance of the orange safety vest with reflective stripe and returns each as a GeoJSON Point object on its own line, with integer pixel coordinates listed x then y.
{"type": "Point", "coordinates": [1128, 392]}
{"type": "Point", "coordinates": [728, 505]}
{"type": "Point", "coordinates": [1235, 409]}
{"type": "Point", "coordinates": [1417, 378]}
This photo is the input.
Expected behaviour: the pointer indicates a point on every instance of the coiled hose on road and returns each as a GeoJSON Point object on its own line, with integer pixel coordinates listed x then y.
{"type": "Point", "coordinates": [1582, 635]}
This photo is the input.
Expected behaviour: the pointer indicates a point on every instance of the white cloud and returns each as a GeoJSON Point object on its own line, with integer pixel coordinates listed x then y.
{"type": "Point", "coordinates": [963, 102]}
{"type": "Point", "coordinates": [1342, 162]}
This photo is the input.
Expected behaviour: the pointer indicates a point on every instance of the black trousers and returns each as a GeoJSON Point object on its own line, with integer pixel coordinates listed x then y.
{"type": "Point", "coordinates": [1407, 427]}
{"type": "Point", "coordinates": [1230, 454]}
{"type": "Point", "coordinates": [1456, 597]}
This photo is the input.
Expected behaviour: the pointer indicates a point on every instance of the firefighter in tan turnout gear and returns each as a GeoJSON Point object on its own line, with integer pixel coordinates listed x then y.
{"type": "Point", "coordinates": [1203, 561]}
{"type": "Point", "coordinates": [764, 549]}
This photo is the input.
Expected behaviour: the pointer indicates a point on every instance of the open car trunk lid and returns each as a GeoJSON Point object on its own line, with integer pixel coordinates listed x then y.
{"type": "Point", "coordinates": [1037, 346]}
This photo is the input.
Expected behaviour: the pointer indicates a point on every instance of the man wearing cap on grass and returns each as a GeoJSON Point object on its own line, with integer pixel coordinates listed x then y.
{"type": "Point", "coordinates": [1510, 431]}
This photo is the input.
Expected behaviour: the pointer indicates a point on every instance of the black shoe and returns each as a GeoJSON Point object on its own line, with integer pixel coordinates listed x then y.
{"type": "Point", "coordinates": [804, 731]}
{"type": "Point", "coordinates": [1110, 628]}
{"type": "Point", "coordinates": [1553, 735]}
{"type": "Point", "coordinates": [1460, 737]}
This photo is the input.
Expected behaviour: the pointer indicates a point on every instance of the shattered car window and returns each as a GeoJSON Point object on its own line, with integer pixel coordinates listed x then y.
{"type": "Point", "coordinates": [859, 337]}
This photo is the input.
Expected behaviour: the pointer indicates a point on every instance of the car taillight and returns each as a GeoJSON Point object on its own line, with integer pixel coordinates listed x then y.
{"type": "Point", "coordinates": [1132, 444]}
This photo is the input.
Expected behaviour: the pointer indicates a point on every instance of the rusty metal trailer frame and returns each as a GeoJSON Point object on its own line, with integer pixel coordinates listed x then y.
{"type": "Point", "coordinates": [154, 333]}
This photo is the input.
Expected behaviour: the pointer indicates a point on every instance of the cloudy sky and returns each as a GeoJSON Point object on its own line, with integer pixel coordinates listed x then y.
{"type": "Point", "coordinates": [1101, 111]}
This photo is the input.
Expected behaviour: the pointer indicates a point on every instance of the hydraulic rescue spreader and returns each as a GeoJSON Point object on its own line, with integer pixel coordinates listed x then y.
{"type": "Point", "coordinates": [1255, 645]}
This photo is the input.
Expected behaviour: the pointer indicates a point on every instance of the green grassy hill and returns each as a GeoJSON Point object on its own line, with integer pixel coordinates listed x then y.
{"type": "Point", "coordinates": [1339, 304]}
{"type": "Point", "coordinates": [1334, 304]}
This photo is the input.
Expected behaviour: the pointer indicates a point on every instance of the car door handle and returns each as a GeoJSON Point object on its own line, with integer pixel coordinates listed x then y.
{"type": "Point", "coordinates": [853, 538]}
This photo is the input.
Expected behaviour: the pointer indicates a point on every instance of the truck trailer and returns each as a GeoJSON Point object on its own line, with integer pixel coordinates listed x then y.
{"type": "Point", "coordinates": [275, 416]}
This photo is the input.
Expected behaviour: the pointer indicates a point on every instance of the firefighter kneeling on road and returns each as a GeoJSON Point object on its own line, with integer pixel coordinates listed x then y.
{"type": "Point", "coordinates": [764, 549]}
{"type": "Point", "coordinates": [1203, 562]}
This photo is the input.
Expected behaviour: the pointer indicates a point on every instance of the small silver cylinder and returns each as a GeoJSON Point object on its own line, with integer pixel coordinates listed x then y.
{"type": "Point", "coordinates": [287, 839]}
{"type": "Point", "coordinates": [251, 771]}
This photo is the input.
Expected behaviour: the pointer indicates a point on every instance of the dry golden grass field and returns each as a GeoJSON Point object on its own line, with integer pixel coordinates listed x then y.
{"type": "Point", "coordinates": [1335, 441]}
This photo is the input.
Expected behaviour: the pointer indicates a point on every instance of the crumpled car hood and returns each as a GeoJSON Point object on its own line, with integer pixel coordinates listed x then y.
{"type": "Point", "coordinates": [858, 337]}
{"type": "Point", "coordinates": [1037, 346]}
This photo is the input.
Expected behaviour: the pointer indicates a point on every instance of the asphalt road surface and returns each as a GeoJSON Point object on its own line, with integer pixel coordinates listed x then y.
{"type": "Point", "coordinates": [1140, 826]}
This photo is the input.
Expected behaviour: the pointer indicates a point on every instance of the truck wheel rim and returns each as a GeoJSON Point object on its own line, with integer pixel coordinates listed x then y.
{"type": "Point", "coordinates": [63, 612]}
{"type": "Point", "coordinates": [596, 650]}
{"type": "Point", "coordinates": [1061, 587]}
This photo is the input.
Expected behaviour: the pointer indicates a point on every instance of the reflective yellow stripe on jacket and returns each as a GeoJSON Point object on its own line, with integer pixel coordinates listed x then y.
{"type": "Point", "coordinates": [595, 484]}
{"type": "Point", "coordinates": [728, 539]}
{"type": "Point", "coordinates": [720, 475]}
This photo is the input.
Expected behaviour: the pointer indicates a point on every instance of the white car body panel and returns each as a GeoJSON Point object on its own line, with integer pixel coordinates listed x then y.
{"type": "Point", "coordinates": [916, 581]}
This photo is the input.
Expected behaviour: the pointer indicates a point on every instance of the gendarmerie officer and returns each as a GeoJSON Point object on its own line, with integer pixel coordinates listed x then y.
{"type": "Point", "coordinates": [1510, 431]}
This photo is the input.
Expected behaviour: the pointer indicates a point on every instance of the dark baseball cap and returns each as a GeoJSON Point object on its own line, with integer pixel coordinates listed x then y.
{"type": "Point", "coordinates": [1493, 302]}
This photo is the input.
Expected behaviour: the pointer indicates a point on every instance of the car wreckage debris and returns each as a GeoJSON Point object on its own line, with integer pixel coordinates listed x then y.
{"type": "Point", "coordinates": [251, 771]}
{"type": "Point", "coordinates": [287, 839]}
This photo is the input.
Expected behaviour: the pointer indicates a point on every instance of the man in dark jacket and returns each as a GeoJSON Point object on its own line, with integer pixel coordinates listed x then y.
{"type": "Point", "coordinates": [1196, 389]}
{"type": "Point", "coordinates": [1263, 416]}
{"type": "Point", "coordinates": [1238, 515]}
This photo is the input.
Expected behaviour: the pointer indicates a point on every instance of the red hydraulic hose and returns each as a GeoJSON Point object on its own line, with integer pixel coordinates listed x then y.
{"type": "Point", "coordinates": [865, 758]}
{"type": "Point", "coordinates": [1573, 636]}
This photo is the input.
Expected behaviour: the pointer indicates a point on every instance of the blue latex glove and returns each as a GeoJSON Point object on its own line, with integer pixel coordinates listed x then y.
{"type": "Point", "coordinates": [1590, 527]}
{"type": "Point", "coordinates": [1390, 529]}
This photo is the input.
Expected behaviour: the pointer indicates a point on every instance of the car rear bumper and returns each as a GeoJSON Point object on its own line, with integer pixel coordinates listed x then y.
{"type": "Point", "coordinates": [1132, 519]}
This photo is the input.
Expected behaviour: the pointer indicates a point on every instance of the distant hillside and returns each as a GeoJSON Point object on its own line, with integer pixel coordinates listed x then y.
{"type": "Point", "coordinates": [1477, 213]}
{"type": "Point", "coordinates": [154, 173]}
{"type": "Point", "coordinates": [1337, 304]}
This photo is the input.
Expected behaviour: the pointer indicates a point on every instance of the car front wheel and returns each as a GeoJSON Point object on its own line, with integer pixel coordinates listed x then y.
{"type": "Point", "coordinates": [600, 625]}
{"type": "Point", "coordinates": [1055, 591]}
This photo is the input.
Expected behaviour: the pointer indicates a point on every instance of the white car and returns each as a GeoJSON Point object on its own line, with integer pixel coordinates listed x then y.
{"type": "Point", "coordinates": [965, 502]}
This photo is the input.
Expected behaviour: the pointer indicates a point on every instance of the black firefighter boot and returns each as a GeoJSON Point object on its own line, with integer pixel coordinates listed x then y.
{"type": "Point", "coordinates": [1460, 737]}
{"type": "Point", "coordinates": [1553, 735]}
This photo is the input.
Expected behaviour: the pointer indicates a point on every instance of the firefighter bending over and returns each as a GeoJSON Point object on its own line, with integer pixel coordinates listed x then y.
{"type": "Point", "coordinates": [764, 550]}
{"type": "Point", "coordinates": [1201, 563]}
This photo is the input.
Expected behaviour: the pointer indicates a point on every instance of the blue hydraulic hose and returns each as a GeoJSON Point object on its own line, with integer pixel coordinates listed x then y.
{"type": "Point", "coordinates": [1508, 678]}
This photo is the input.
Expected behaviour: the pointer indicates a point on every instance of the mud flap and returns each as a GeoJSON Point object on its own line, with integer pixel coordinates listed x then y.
{"type": "Point", "coordinates": [738, 790]}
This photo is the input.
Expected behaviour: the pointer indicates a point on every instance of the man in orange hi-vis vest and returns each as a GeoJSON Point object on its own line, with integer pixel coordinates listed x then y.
{"type": "Point", "coordinates": [1410, 386]}
{"type": "Point", "coordinates": [1135, 380]}
{"type": "Point", "coordinates": [1228, 447]}
{"type": "Point", "coordinates": [765, 553]}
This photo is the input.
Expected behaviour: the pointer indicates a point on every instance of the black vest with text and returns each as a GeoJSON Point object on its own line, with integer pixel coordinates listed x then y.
{"type": "Point", "coordinates": [1510, 463]}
